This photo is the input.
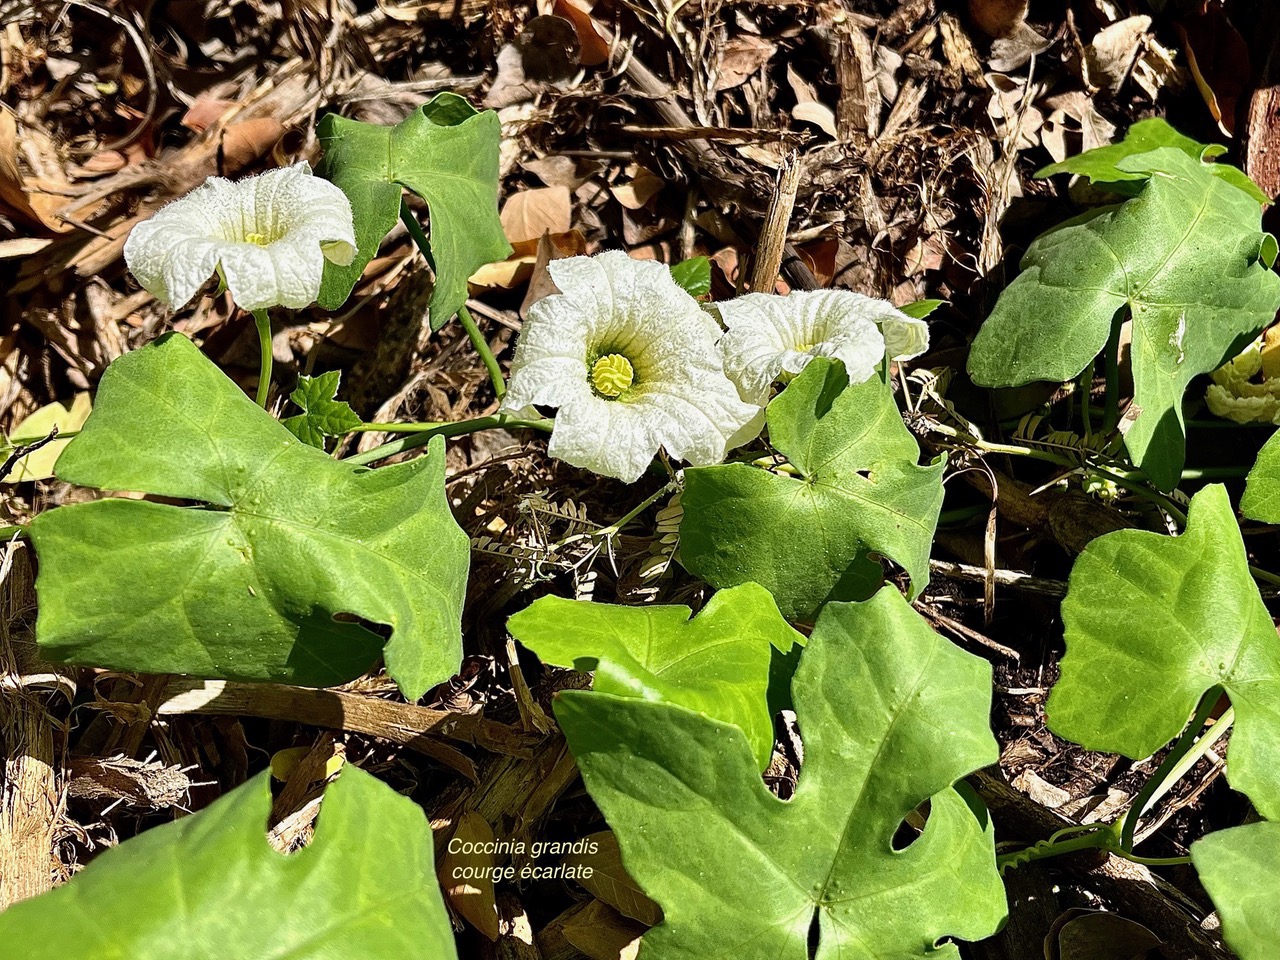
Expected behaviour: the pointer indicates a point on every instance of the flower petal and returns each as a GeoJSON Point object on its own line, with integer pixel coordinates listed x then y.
{"type": "Point", "coordinates": [603, 436]}
{"type": "Point", "coordinates": [770, 335]}
{"type": "Point", "coordinates": [681, 398]}
{"type": "Point", "coordinates": [271, 235]}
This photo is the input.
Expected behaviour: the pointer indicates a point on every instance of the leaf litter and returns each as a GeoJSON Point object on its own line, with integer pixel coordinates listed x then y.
{"type": "Point", "coordinates": [656, 128]}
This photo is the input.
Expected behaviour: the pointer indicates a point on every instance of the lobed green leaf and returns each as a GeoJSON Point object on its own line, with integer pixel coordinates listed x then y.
{"type": "Point", "coordinates": [446, 153]}
{"type": "Point", "coordinates": [891, 715]}
{"type": "Point", "coordinates": [717, 663]}
{"type": "Point", "coordinates": [1102, 164]}
{"type": "Point", "coordinates": [209, 885]}
{"type": "Point", "coordinates": [807, 538]}
{"type": "Point", "coordinates": [1154, 622]}
{"type": "Point", "coordinates": [249, 585]}
{"type": "Point", "coordinates": [1186, 258]}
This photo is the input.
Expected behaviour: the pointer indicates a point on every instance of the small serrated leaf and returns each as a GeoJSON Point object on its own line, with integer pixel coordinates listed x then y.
{"type": "Point", "coordinates": [322, 414]}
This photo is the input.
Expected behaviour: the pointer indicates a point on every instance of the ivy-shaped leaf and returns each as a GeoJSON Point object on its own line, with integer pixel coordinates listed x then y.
{"type": "Point", "coordinates": [322, 414]}
{"type": "Point", "coordinates": [891, 715]}
{"type": "Point", "coordinates": [1152, 623]}
{"type": "Point", "coordinates": [1240, 868]}
{"type": "Point", "coordinates": [693, 276]}
{"type": "Point", "coordinates": [717, 663]}
{"type": "Point", "coordinates": [209, 885]}
{"type": "Point", "coordinates": [248, 586]}
{"type": "Point", "coordinates": [446, 153]}
{"type": "Point", "coordinates": [857, 489]}
{"type": "Point", "coordinates": [920, 309]}
{"type": "Point", "coordinates": [1186, 258]}
{"type": "Point", "coordinates": [38, 465]}
{"type": "Point", "coordinates": [1100, 164]}
{"type": "Point", "coordinates": [1261, 499]}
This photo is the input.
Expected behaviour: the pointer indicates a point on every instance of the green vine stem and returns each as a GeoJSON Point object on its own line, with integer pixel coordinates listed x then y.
{"type": "Point", "coordinates": [421, 433]}
{"type": "Point", "coordinates": [1163, 778]}
{"type": "Point", "coordinates": [263, 323]}
{"type": "Point", "coordinates": [482, 347]}
{"type": "Point", "coordinates": [464, 315]}
{"type": "Point", "coordinates": [1118, 837]}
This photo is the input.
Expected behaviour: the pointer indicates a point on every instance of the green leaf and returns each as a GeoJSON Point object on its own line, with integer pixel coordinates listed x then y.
{"type": "Point", "coordinates": [1261, 500]}
{"type": "Point", "coordinates": [444, 152]}
{"type": "Point", "coordinates": [891, 715]}
{"type": "Point", "coordinates": [716, 664]}
{"type": "Point", "coordinates": [38, 465]}
{"type": "Point", "coordinates": [920, 309]}
{"type": "Point", "coordinates": [1152, 623]}
{"type": "Point", "coordinates": [1102, 164]}
{"type": "Point", "coordinates": [322, 415]}
{"type": "Point", "coordinates": [806, 538]}
{"type": "Point", "coordinates": [693, 276]}
{"type": "Point", "coordinates": [1186, 257]}
{"type": "Point", "coordinates": [1238, 869]}
{"type": "Point", "coordinates": [248, 586]}
{"type": "Point", "coordinates": [209, 885]}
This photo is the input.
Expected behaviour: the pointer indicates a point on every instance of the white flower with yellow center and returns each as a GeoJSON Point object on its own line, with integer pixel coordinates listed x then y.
{"type": "Point", "coordinates": [267, 237]}
{"type": "Point", "coordinates": [772, 337]}
{"type": "Point", "coordinates": [633, 364]}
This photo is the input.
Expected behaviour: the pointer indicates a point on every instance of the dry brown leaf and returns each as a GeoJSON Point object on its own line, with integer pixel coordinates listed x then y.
{"type": "Point", "coordinates": [528, 214]}
{"type": "Point", "coordinates": [1011, 52]}
{"type": "Point", "coordinates": [22, 247]}
{"type": "Point", "coordinates": [244, 142]}
{"type": "Point", "coordinates": [818, 114]}
{"type": "Point", "coordinates": [205, 112]}
{"type": "Point", "coordinates": [998, 18]}
{"type": "Point", "coordinates": [471, 899]}
{"type": "Point", "coordinates": [15, 195]}
{"type": "Point", "coordinates": [1156, 69]}
{"type": "Point", "coordinates": [639, 190]}
{"type": "Point", "coordinates": [1073, 125]}
{"type": "Point", "coordinates": [1112, 52]}
{"type": "Point", "coordinates": [521, 266]}
{"type": "Point", "coordinates": [557, 171]}
{"type": "Point", "coordinates": [1219, 61]}
{"type": "Point", "coordinates": [549, 248]}
{"type": "Point", "coordinates": [602, 933]}
{"type": "Point", "coordinates": [593, 48]}
{"type": "Point", "coordinates": [741, 58]}
{"type": "Point", "coordinates": [1012, 118]}
{"type": "Point", "coordinates": [610, 882]}
{"type": "Point", "coordinates": [1092, 935]}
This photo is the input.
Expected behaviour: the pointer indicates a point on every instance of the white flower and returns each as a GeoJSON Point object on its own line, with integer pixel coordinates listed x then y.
{"type": "Point", "coordinates": [267, 237]}
{"type": "Point", "coordinates": [633, 364]}
{"type": "Point", "coordinates": [771, 336]}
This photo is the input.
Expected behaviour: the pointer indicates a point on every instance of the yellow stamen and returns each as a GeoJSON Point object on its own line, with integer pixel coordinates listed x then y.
{"type": "Point", "coordinates": [261, 239]}
{"type": "Point", "coordinates": [612, 375]}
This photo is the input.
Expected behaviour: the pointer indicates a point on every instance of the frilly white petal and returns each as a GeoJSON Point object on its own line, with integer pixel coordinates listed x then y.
{"type": "Point", "coordinates": [770, 335]}
{"type": "Point", "coordinates": [304, 220]}
{"type": "Point", "coordinates": [682, 401]}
